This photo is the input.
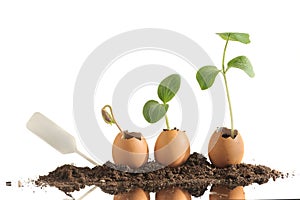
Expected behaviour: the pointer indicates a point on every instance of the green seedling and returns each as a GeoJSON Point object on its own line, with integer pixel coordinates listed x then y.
{"type": "Point", "coordinates": [207, 74]}
{"type": "Point", "coordinates": [109, 118]}
{"type": "Point", "coordinates": [153, 111]}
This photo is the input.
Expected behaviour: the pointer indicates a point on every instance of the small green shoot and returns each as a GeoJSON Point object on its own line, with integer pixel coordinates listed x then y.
{"type": "Point", "coordinates": [109, 117]}
{"type": "Point", "coordinates": [207, 74]}
{"type": "Point", "coordinates": [153, 111]}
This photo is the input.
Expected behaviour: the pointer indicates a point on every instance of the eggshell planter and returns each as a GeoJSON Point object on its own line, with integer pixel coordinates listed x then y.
{"type": "Point", "coordinates": [224, 150]}
{"type": "Point", "coordinates": [172, 148]}
{"type": "Point", "coordinates": [173, 193]}
{"type": "Point", "coordinates": [137, 194]}
{"type": "Point", "coordinates": [133, 152]}
{"type": "Point", "coordinates": [221, 192]}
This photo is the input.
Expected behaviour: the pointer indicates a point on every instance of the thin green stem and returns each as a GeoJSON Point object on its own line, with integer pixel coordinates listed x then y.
{"type": "Point", "coordinates": [226, 86]}
{"type": "Point", "coordinates": [224, 53]}
{"type": "Point", "coordinates": [229, 104]}
{"type": "Point", "coordinates": [167, 121]}
{"type": "Point", "coordinates": [166, 118]}
{"type": "Point", "coordinates": [113, 117]}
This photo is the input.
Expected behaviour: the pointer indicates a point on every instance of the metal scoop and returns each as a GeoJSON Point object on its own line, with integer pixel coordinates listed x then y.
{"type": "Point", "coordinates": [54, 135]}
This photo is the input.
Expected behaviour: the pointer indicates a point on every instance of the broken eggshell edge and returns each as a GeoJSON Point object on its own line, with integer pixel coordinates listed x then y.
{"type": "Point", "coordinates": [225, 151]}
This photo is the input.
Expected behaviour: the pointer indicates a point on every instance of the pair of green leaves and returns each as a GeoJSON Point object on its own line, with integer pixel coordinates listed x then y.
{"type": "Point", "coordinates": [207, 74]}
{"type": "Point", "coordinates": [153, 111]}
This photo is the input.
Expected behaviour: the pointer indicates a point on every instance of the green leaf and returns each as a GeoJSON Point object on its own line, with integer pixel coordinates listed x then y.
{"type": "Point", "coordinates": [240, 37]}
{"type": "Point", "coordinates": [153, 111]}
{"type": "Point", "coordinates": [206, 76]}
{"type": "Point", "coordinates": [243, 63]}
{"type": "Point", "coordinates": [168, 87]}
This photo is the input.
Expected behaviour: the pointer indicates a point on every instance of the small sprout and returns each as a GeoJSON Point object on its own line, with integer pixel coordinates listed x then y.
{"type": "Point", "coordinates": [207, 74]}
{"type": "Point", "coordinates": [129, 148]}
{"type": "Point", "coordinates": [109, 117]}
{"type": "Point", "coordinates": [153, 111]}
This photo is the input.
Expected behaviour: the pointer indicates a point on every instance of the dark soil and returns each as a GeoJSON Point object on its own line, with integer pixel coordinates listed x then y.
{"type": "Point", "coordinates": [129, 135]}
{"type": "Point", "coordinates": [176, 129]}
{"type": "Point", "coordinates": [194, 176]}
{"type": "Point", "coordinates": [227, 132]}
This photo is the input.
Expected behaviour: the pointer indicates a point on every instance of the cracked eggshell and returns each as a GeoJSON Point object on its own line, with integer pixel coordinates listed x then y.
{"type": "Point", "coordinates": [220, 192]}
{"type": "Point", "coordinates": [172, 148]}
{"type": "Point", "coordinates": [224, 150]}
{"type": "Point", "coordinates": [132, 152]}
{"type": "Point", "coordinates": [137, 194]}
{"type": "Point", "coordinates": [173, 194]}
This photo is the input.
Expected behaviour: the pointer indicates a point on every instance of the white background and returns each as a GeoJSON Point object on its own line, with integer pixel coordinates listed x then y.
{"type": "Point", "coordinates": [43, 45]}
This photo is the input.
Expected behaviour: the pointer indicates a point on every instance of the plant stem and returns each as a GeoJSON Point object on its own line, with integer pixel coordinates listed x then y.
{"type": "Point", "coordinates": [229, 104]}
{"type": "Point", "coordinates": [224, 53]}
{"type": "Point", "coordinates": [113, 117]}
{"type": "Point", "coordinates": [166, 118]}
{"type": "Point", "coordinates": [167, 121]}
{"type": "Point", "coordinates": [226, 86]}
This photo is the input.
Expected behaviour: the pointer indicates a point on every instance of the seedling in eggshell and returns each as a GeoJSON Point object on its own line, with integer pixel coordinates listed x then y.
{"type": "Point", "coordinates": [172, 147]}
{"type": "Point", "coordinates": [207, 74]}
{"type": "Point", "coordinates": [129, 148]}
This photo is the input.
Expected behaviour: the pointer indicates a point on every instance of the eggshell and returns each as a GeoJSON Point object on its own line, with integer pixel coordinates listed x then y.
{"type": "Point", "coordinates": [173, 194]}
{"type": "Point", "coordinates": [225, 151]}
{"type": "Point", "coordinates": [132, 152]}
{"type": "Point", "coordinates": [172, 148]}
{"type": "Point", "coordinates": [137, 194]}
{"type": "Point", "coordinates": [221, 192]}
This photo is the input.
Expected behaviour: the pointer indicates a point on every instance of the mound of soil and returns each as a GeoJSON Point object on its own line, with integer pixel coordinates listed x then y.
{"type": "Point", "coordinates": [194, 176]}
